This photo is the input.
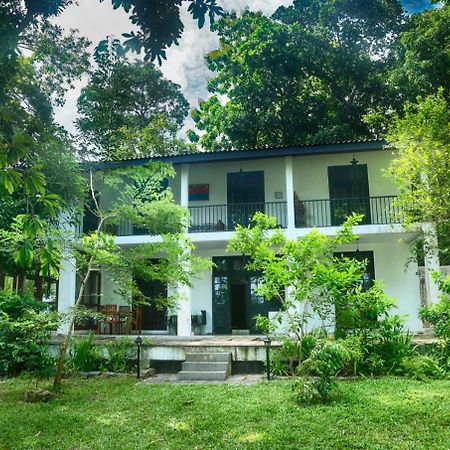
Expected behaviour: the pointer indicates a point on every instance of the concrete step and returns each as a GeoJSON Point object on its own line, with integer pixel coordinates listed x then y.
{"type": "Point", "coordinates": [219, 375]}
{"type": "Point", "coordinates": [208, 357]}
{"type": "Point", "coordinates": [199, 366]}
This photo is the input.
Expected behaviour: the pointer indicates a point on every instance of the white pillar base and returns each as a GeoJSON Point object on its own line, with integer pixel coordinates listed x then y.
{"type": "Point", "coordinates": [184, 327]}
{"type": "Point", "coordinates": [66, 290]}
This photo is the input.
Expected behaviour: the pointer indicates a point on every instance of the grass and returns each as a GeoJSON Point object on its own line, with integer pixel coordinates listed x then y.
{"type": "Point", "coordinates": [120, 414]}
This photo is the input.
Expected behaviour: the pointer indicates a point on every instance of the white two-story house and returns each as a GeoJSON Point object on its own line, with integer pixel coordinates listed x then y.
{"type": "Point", "coordinates": [303, 187]}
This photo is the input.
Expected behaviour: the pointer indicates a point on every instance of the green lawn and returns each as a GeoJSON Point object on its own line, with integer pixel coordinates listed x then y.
{"type": "Point", "coordinates": [119, 414]}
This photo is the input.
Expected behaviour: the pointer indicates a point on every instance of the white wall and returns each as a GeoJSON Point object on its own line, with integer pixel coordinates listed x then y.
{"type": "Point", "coordinates": [215, 174]}
{"type": "Point", "coordinates": [399, 279]}
{"type": "Point", "coordinates": [311, 173]}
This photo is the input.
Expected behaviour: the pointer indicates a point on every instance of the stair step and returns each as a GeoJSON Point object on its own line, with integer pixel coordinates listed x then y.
{"type": "Point", "coordinates": [208, 357]}
{"type": "Point", "coordinates": [203, 375]}
{"type": "Point", "coordinates": [199, 366]}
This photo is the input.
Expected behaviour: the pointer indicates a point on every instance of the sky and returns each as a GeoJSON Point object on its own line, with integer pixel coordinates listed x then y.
{"type": "Point", "coordinates": [185, 63]}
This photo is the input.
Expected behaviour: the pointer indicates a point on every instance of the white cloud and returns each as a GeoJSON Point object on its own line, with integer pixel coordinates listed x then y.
{"type": "Point", "coordinates": [185, 63]}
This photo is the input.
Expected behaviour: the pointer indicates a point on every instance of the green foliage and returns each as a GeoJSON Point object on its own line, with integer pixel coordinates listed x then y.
{"type": "Point", "coordinates": [129, 109]}
{"type": "Point", "coordinates": [422, 55]}
{"type": "Point", "coordinates": [308, 74]}
{"type": "Point", "coordinates": [421, 141]}
{"type": "Point", "coordinates": [324, 286]}
{"type": "Point", "coordinates": [306, 266]}
{"type": "Point", "coordinates": [38, 170]}
{"type": "Point", "coordinates": [84, 355]}
{"type": "Point", "coordinates": [326, 360]}
{"type": "Point", "coordinates": [24, 331]}
{"type": "Point", "coordinates": [121, 355]}
{"type": "Point", "coordinates": [422, 367]}
{"type": "Point", "coordinates": [438, 316]}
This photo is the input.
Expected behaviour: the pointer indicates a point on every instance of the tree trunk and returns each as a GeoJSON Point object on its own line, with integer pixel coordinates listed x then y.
{"type": "Point", "coordinates": [62, 356]}
{"type": "Point", "coordinates": [38, 286]}
{"type": "Point", "coordinates": [2, 281]}
{"type": "Point", "coordinates": [20, 284]}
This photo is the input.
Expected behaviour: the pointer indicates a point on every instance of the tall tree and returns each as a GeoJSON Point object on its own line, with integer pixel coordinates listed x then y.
{"type": "Point", "coordinates": [422, 56]}
{"type": "Point", "coordinates": [140, 200]}
{"type": "Point", "coordinates": [123, 97]}
{"type": "Point", "coordinates": [38, 173]}
{"type": "Point", "coordinates": [158, 21]}
{"type": "Point", "coordinates": [308, 74]}
{"type": "Point", "coordinates": [421, 167]}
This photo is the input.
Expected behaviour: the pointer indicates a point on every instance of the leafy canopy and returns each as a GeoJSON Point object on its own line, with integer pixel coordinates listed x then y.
{"type": "Point", "coordinates": [307, 74]}
{"type": "Point", "coordinates": [129, 109]}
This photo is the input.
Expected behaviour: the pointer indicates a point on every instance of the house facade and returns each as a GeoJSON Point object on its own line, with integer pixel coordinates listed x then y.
{"type": "Point", "coordinates": [303, 187]}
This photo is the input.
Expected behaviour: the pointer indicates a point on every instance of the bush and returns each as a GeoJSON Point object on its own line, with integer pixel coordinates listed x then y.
{"type": "Point", "coordinates": [121, 357]}
{"type": "Point", "coordinates": [326, 360]}
{"type": "Point", "coordinates": [422, 367]}
{"type": "Point", "coordinates": [25, 325]}
{"type": "Point", "coordinates": [84, 355]}
{"type": "Point", "coordinates": [439, 318]}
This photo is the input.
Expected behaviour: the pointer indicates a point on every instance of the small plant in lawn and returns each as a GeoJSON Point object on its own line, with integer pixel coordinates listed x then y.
{"type": "Point", "coordinates": [326, 360]}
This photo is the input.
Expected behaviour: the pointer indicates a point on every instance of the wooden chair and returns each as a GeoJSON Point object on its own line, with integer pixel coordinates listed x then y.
{"type": "Point", "coordinates": [126, 318]}
{"type": "Point", "coordinates": [112, 317]}
{"type": "Point", "coordinates": [137, 318]}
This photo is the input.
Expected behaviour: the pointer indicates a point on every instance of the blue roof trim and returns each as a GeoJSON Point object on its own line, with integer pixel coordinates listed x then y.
{"type": "Point", "coordinates": [231, 155]}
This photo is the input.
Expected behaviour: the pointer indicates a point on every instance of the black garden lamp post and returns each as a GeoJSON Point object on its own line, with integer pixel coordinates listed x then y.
{"type": "Point", "coordinates": [138, 342]}
{"type": "Point", "coordinates": [267, 344]}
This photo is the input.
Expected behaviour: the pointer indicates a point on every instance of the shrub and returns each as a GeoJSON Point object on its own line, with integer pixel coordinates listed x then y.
{"type": "Point", "coordinates": [326, 360]}
{"type": "Point", "coordinates": [84, 355]}
{"type": "Point", "coordinates": [438, 316]}
{"type": "Point", "coordinates": [120, 355]}
{"type": "Point", "coordinates": [25, 325]}
{"type": "Point", "coordinates": [422, 367]}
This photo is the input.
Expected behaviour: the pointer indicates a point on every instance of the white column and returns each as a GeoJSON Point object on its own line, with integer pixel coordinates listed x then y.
{"type": "Point", "coordinates": [289, 176]}
{"type": "Point", "coordinates": [184, 311]}
{"type": "Point", "coordinates": [431, 261]}
{"type": "Point", "coordinates": [184, 197]}
{"type": "Point", "coordinates": [66, 289]}
{"type": "Point", "coordinates": [184, 292]}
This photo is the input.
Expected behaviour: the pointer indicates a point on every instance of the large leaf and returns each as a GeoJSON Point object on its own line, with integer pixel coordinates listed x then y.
{"type": "Point", "coordinates": [24, 255]}
{"type": "Point", "coordinates": [10, 179]}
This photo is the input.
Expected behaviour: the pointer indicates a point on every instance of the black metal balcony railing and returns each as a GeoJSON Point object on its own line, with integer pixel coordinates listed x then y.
{"type": "Point", "coordinates": [308, 213]}
{"type": "Point", "coordinates": [226, 217]}
{"type": "Point", "coordinates": [379, 210]}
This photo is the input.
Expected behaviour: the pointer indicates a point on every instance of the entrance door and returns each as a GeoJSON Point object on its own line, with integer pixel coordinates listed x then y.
{"type": "Point", "coordinates": [349, 192]}
{"type": "Point", "coordinates": [221, 310]}
{"type": "Point", "coordinates": [245, 196]}
{"type": "Point", "coordinates": [235, 302]}
{"type": "Point", "coordinates": [153, 316]}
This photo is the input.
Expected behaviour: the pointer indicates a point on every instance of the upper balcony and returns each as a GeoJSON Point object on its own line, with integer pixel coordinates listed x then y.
{"type": "Point", "coordinates": [380, 210]}
{"type": "Point", "coordinates": [301, 189]}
